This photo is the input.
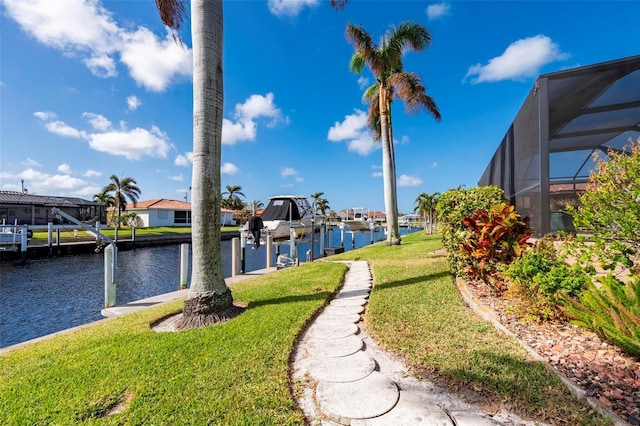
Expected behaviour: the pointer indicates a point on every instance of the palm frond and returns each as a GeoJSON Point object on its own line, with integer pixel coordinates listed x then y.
{"type": "Point", "coordinates": [408, 87]}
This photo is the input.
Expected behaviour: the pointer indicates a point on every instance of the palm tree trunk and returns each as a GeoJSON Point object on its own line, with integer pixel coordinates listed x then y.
{"type": "Point", "coordinates": [209, 299]}
{"type": "Point", "coordinates": [388, 171]}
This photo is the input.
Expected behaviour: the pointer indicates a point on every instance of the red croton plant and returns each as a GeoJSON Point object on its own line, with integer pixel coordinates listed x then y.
{"type": "Point", "coordinates": [494, 237]}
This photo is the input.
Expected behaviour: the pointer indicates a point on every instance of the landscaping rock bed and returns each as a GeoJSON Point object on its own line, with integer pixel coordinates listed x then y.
{"type": "Point", "coordinates": [602, 370]}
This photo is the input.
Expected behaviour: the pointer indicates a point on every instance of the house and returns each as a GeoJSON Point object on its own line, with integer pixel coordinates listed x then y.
{"type": "Point", "coordinates": [376, 216]}
{"type": "Point", "coordinates": [546, 155]}
{"type": "Point", "coordinates": [27, 209]}
{"type": "Point", "coordinates": [166, 212]}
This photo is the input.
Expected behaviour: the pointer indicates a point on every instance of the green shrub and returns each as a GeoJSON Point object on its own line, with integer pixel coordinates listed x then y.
{"type": "Point", "coordinates": [612, 311]}
{"type": "Point", "coordinates": [537, 278]}
{"type": "Point", "coordinates": [452, 207]}
{"type": "Point", "coordinates": [494, 237]}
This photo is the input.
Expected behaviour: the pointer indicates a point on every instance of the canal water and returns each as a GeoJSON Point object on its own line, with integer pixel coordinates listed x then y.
{"type": "Point", "coordinates": [50, 295]}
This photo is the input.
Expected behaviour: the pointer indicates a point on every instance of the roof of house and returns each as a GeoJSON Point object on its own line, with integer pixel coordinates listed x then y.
{"type": "Point", "coordinates": [15, 197]}
{"type": "Point", "coordinates": [164, 204]}
{"type": "Point", "coordinates": [159, 203]}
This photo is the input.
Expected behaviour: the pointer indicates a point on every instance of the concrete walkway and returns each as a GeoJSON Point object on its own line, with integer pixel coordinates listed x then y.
{"type": "Point", "coordinates": [347, 380]}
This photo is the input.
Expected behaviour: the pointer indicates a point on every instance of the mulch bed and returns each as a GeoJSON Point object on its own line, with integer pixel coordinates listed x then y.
{"type": "Point", "coordinates": [602, 370]}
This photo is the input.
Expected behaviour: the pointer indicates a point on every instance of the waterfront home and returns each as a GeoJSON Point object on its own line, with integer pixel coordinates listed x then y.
{"type": "Point", "coordinates": [167, 212]}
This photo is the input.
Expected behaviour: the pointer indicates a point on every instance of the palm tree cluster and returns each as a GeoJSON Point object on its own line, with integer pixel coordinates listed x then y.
{"type": "Point", "coordinates": [385, 62]}
{"type": "Point", "coordinates": [426, 208]}
{"type": "Point", "coordinates": [116, 193]}
{"type": "Point", "coordinates": [321, 205]}
{"type": "Point", "coordinates": [232, 198]}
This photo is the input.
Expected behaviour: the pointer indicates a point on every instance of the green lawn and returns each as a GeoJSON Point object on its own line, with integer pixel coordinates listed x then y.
{"type": "Point", "coordinates": [416, 312]}
{"type": "Point", "coordinates": [237, 373]}
{"type": "Point", "coordinates": [124, 232]}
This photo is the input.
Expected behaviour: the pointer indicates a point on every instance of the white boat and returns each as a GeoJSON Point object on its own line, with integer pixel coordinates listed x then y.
{"type": "Point", "coordinates": [360, 221]}
{"type": "Point", "coordinates": [284, 213]}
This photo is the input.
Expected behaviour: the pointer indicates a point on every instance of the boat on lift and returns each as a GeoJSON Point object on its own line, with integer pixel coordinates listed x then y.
{"type": "Point", "coordinates": [285, 213]}
{"type": "Point", "coordinates": [360, 222]}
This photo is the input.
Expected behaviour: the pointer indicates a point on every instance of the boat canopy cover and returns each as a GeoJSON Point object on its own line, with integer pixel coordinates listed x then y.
{"type": "Point", "coordinates": [278, 209]}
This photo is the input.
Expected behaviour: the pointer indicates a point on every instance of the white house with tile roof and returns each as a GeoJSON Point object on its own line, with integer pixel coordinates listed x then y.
{"type": "Point", "coordinates": [166, 212]}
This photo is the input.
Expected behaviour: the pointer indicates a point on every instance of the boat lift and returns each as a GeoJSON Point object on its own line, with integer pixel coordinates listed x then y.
{"type": "Point", "coordinates": [110, 257]}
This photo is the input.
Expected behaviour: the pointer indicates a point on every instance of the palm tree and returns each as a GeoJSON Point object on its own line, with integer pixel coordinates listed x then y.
{"type": "Point", "coordinates": [255, 205]}
{"type": "Point", "coordinates": [121, 190]}
{"type": "Point", "coordinates": [209, 300]}
{"type": "Point", "coordinates": [385, 62]}
{"type": "Point", "coordinates": [426, 207]}
{"type": "Point", "coordinates": [107, 201]}
{"type": "Point", "coordinates": [233, 200]}
{"type": "Point", "coordinates": [322, 205]}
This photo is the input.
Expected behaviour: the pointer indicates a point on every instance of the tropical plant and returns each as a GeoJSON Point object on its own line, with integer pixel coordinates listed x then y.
{"type": "Point", "coordinates": [234, 196]}
{"type": "Point", "coordinates": [105, 198]}
{"type": "Point", "coordinates": [494, 237]}
{"type": "Point", "coordinates": [612, 310]}
{"type": "Point", "coordinates": [209, 300]}
{"type": "Point", "coordinates": [452, 207]}
{"type": "Point", "coordinates": [131, 219]}
{"type": "Point", "coordinates": [538, 278]}
{"type": "Point", "coordinates": [610, 210]}
{"type": "Point", "coordinates": [385, 62]}
{"type": "Point", "coordinates": [121, 190]}
{"type": "Point", "coordinates": [426, 208]}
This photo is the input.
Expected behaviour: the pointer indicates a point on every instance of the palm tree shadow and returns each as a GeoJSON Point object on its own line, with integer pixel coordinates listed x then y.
{"type": "Point", "coordinates": [319, 296]}
{"type": "Point", "coordinates": [413, 280]}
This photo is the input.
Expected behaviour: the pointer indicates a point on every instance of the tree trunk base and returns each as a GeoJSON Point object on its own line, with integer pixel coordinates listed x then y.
{"type": "Point", "coordinates": [208, 309]}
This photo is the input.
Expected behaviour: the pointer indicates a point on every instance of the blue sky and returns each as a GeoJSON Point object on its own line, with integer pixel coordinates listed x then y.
{"type": "Point", "coordinates": [94, 88]}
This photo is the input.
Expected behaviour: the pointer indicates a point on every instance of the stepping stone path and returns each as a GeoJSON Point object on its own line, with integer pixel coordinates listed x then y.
{"type": "Point", "coordinates": [341, 382]}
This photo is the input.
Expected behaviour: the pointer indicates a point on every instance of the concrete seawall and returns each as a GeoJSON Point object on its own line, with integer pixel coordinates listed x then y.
{"type": "Point", "coordinates": [69, 246]}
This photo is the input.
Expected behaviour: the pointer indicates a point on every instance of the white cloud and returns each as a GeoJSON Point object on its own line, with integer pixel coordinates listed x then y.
{"type": "Point", "coordinates": [405, 180]}
{"type": "Point", "coordinates": [64, 168]}
{"type": "Point", "coordinates": [155, 63]}
{"type": "Point", "coordinates": [97, 121]}
{"type": "Point", "coordinates": [30, 163]}
{"type": "Point", "coordinates": [45, 115]}
{"type": "Point", "coordinates": [244, 130]}
{"type": "Point", "coordinates": [51, 184]}
{"type": "Point", "coordinates": [435, 11]}
{"type": "Point", "coordinates": [363, 82]}
{"type": "Point", "coordinates": [228, 169]}
{"type": "Point", "coordinates": [290, 7]}
{"type": "Point", "coordinates": [376, 174]}
{"type": "Point", "coordinates": [177, 178]}
{"type": "Point", "coordinates": [85, 30]}
{"type": "Point", "coordinates": [354, 130]}
{"type": "Point", "coordinates": [92, 173]}
{"type": "Point", "coordinates": [245, 127]}
{"type": "Point", "coordinates": [184, 160]}
{"type": "Point", "coordinates": [523, 58]}
{"type": "Point", "coordinates": [132, 144]}
{"type": "Point", "coordinates": [63, 129]}
{"type": "Point", "coordinates": [133, 103]}
{"type": "Point", "coordinates": [288, 171]}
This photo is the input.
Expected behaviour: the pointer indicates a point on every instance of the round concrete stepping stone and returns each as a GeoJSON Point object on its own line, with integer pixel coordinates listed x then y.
{"type": "Point", "coordinates": [328, 319]}
{"type": "Point", "coordinates": [409, 411]}
{"type": "Point", "coordinates": [352, 294]}
{"type": "Point", "coordinates": [334, 348]}
{"type": "Point", "coordinates": [363, 399]}
{"type": "Point", "coordinates": [343, 310]}
{"type": "Point", "coordinates": [323, 331]}
{"type": "Point", "coordinates": [348, 302]}
{"type": "Point", "coordinates": [356, 287]}
{"type": "Point", "coordinates": [349, 368]}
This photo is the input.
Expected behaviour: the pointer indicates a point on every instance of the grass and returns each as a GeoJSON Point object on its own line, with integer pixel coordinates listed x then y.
{"type": "Point", "coordinates": [124, 232]}
{"type": "Point", "coordinates": [416, 312]}
{"type": "Point", "coordinates": [232, 373]}
{"type": "Point", "coordinates": [237, 372]}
